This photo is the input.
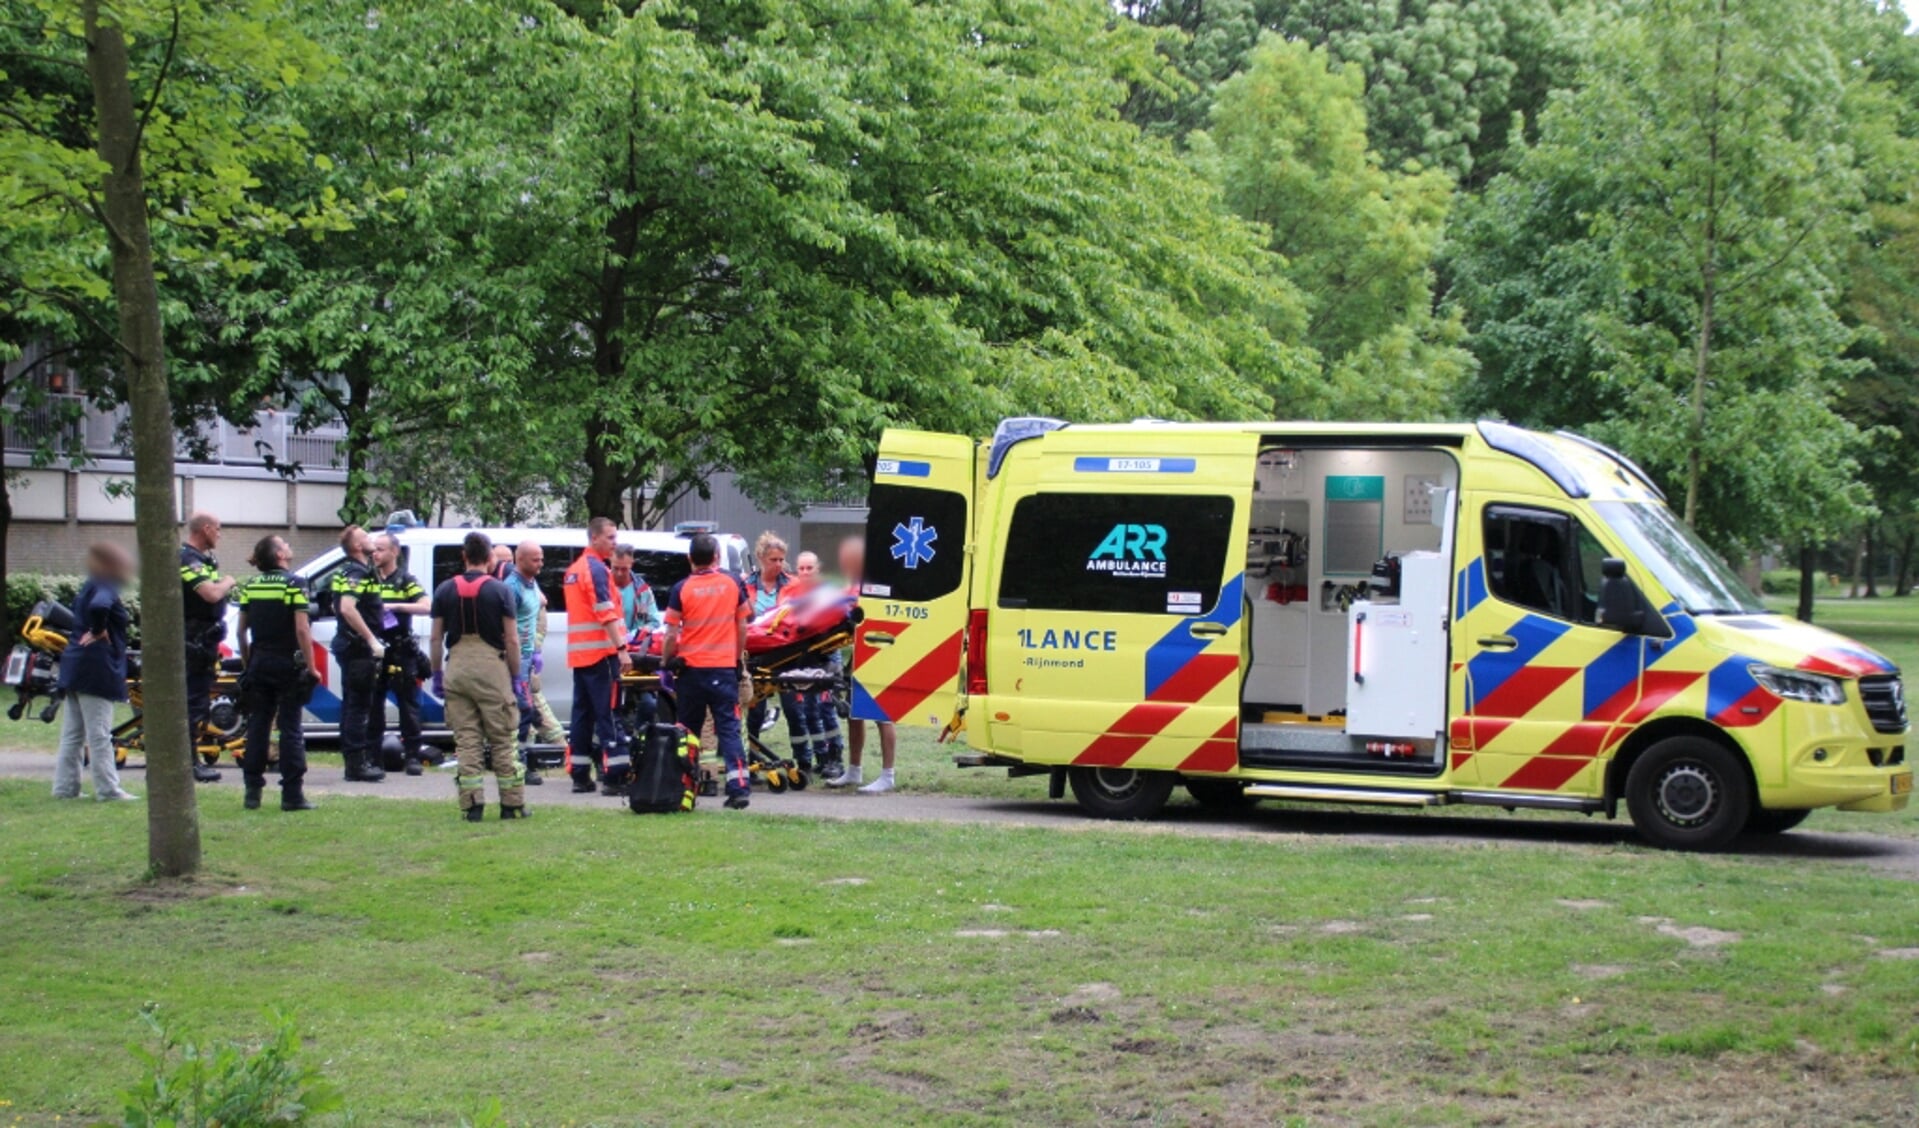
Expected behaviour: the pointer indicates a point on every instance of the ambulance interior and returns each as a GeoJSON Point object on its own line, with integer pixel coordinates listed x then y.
{"type": "Point", "coordinates": [1347, 577]}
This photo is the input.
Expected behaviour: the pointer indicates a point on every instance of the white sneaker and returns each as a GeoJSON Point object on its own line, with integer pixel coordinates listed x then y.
{"type": "Point", "coordinates": [848, 778]}
{"type": "Point", "coordinates": [118, 797]}
{"type": "Point", "coordinates": [881, 785]}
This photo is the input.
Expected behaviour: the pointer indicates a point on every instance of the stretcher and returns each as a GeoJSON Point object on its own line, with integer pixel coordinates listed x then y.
{"type": "Point", "coordinates": [33, 670]}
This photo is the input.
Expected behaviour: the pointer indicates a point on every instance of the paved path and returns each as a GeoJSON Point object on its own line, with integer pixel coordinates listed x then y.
{"type": "Point", "coordinates": [1898, 857]}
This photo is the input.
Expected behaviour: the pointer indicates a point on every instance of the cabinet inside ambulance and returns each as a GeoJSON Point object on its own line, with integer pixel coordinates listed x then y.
{"type": "Point", "coordinates": [1347, 578]}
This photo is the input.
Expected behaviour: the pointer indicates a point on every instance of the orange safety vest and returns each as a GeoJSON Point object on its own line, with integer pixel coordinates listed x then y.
{"type": "Point", "coordinates": [590, 606]}
{"type": "Point", "coordinates": [708, 608]}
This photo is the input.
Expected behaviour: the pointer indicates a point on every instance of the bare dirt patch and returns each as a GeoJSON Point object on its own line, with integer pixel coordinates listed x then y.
{"type": "Point", "coordinates": [1898, 953]}
{"type": "Point", "coordinates": [537, 957]}
{"type": "Point", "coordinates": [1068, 1016]}
{"type": "Point", "coordinates": [1584, 904]}
{"type": "Point", "coordinates": [846, 881]}
{"type": "Point", "coordinates": [888, 1026]}
{"type": "Point", "coordinates": [1695, 936]}
{"type": "Point", "coordinates": [1600, 971]}
{"type": "Point", "coordinates": [1342, 927]}
{"type": "Point", "coordinates": [1092, 993]}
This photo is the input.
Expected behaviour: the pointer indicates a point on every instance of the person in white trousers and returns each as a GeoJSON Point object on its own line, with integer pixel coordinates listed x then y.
{"type": "Point", "coordinates": [93, 677]}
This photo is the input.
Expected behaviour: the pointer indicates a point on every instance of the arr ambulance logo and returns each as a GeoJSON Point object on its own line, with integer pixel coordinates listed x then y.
{"type": "Point", "coordinates": [913, 542]}
{"type": "Point", "coordinates": [1131, 550]}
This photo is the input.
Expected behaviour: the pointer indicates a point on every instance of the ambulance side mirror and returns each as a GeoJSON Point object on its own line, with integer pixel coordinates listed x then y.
{"type": "Point", "coordinates": [1623, 607]}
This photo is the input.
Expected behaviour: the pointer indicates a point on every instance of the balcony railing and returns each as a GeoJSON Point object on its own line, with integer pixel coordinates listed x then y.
{"type": "Point", "coordinates": [76, 428]}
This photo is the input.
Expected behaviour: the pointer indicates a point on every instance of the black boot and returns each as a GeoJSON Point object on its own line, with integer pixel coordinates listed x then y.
{"type": "Point", "coordinates": [294, 799]}
{"type": "Point", "coordinates": [534, 778]}
{"type": "Point", "coordinates": [514, 813]}
{"type": "Point", "coordinates": [583, 783]}
{"type": "Point", "coordinates": [204, 772]}
{"type": "Point", "coordinates": [252, 802]}
{"type": "Point", "coordinates": [476, 813]}
{"type": "Point", "coordinates": [413, 766]}
{"type": "Point", "coordinates": [361, 770]}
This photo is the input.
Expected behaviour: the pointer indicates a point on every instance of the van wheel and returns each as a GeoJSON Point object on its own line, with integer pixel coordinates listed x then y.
{"type": "Point", "coordinates": [1219, 794]}
{"type": "Point", "coordinates": [1121, 793]}
{"type": "Point", "coordinates": [1773, 822]}
{"type": "Point", "coordinates": [1688, 793]}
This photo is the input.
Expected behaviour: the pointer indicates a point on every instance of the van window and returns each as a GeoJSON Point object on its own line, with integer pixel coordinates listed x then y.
{"type": "Point", "coordinates": [915, 543]}
{"type": "Point", "coordinates": [1141, 554]}
{"type": "Point", "coordinates": [1543, 561]}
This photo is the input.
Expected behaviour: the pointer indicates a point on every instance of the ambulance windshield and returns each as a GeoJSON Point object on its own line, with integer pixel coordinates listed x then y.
{"type": "Point", "coordinates": [1694, 574]}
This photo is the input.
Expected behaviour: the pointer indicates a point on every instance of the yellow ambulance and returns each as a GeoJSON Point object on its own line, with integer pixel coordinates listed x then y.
{"type": "Point", "coordinates": [1401, 614]}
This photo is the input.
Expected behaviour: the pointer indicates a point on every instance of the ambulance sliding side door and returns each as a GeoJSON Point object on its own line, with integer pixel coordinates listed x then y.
{"type": "Point", "coordinates": [906, 652]}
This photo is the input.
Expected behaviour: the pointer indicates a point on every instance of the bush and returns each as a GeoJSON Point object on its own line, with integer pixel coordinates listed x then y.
{"type": "Point", "coordinates": [223, 1084]}
{"type": "Point", "coordinates": [1780, 581]}
{"type": "Point", "coordinates": [24, 589]}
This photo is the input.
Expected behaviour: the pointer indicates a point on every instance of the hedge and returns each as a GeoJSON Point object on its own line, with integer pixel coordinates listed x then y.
{"type": "Point", "coordinates": [24, 589]}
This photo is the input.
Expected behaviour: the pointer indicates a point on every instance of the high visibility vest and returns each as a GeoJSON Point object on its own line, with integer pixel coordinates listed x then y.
{"type": "Point", "coordinates": [590, 606]}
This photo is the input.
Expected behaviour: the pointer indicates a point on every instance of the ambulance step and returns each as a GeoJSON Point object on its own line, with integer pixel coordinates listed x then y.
{"type": "Point", "coordinates": [1381, 797]}
{"type": "Point", "coordinates": [1531, 802]}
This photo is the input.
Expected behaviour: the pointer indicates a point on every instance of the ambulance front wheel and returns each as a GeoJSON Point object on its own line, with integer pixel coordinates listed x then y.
{"type": "Point", "coordinates": [1121, 793]}
{"type": "Point", "coordinates": [1688, 793]}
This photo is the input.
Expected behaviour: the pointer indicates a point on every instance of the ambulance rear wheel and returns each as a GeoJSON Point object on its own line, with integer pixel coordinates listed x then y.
{"type": "Point", "coordinates": [1219, 794]}
{"type": "Point", "coordinates": [1762, 821]}
{"type": "Point", "coordinates": [1121, 793]}
{"type": "Point", "coordinates": [1688, 793]}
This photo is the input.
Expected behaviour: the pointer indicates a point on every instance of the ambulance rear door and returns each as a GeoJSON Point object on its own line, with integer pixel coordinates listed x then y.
{"type": "Point", "coordinates": [906, 652]}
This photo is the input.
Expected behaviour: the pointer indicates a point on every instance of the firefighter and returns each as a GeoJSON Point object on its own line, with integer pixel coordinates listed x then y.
{"type": "Point", "coordinates": [706, 650]}
{"type": "Point", "coordinates": [399, 671]}
{"type": "Point", "coordinates": [476, 662]}
{"type": "Point", "coordinates": [596, 653]}
{"type": "Point", "coordinates": [358, 649]}
{"type": "Point", "coordinates": [206, 626]}
{"type": "Point", "coordinates": [274, 644]}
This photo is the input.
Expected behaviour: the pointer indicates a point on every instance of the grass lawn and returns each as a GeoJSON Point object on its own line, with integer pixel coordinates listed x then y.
{"type": "Point", "coordinates": [590, 967]}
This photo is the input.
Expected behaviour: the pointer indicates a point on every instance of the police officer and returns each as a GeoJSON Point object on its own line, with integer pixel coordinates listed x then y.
{"type": "Point", "coordinates": [358, 649]}
{"type": "Point", "coordinates": [401, 598]}
{"type": "Point", "coordinates": [706, 650]}
{"type": "Point", "coordinates": [206, 626]}
{"type": "Point", "coordinates": [274, 644]}
{"type": "Point", "coordinates": [473, 619]}
{"type": "Point", "coordinates": [596, 653]}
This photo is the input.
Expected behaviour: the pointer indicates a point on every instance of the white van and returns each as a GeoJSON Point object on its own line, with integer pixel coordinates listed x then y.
{"type": "Point", "coordinates": [432, 555]}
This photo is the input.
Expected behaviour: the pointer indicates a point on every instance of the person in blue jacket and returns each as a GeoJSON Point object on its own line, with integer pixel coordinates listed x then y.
{"type": "Point", "coordinates": [93, 677]}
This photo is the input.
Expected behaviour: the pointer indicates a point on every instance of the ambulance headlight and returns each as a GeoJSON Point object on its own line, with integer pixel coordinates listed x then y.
{"type": "Point", "coordinates": [1798, 685]}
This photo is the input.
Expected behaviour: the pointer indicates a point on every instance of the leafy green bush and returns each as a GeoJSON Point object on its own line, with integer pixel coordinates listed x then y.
{"type": "Point", "coordinates": [224, 1084]}
{"type": "Point", "coordinates": [24, 589]}
{"type": "Point", "coordinates": [1779, 581]}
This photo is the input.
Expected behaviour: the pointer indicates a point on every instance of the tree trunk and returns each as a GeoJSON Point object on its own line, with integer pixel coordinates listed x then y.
{"type": "Point", "coordinates": [359, 441]}
{"type": "Point", "coordinates": [1859, 543]}
{"type": "Point", "coordinates": [1808, 564]}
{"type": "Point", "coordinates": [6, 527]}
{"type": "Point", "coordinates": [1872, 559]}
{"type": "Point", "coordinates": [173, 816]}
{"type": "Point", "coordinates": [1903, 585]}
{"type": "Point", "coordinates": [1708, 282]}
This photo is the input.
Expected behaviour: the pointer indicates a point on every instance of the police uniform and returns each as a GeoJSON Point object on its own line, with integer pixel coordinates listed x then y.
{"type": "Point", "coordinates": [590, 605]}
{"type": "Point", "coordinates": [708, 607]}
{"type": "Point", "coordinates": [398, 673]}
{"type": "Point", "coordinates": [480, 706]}
{"type": "Point", "coordinates": [359, 673]}
{"type": "Point", "coordinates": [206, 628]}
{"type": "Point", "coordinates": [274, 687]}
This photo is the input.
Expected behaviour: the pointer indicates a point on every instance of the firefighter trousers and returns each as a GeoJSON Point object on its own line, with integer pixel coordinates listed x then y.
{"type": "Point", "coordinates": [483, 714]}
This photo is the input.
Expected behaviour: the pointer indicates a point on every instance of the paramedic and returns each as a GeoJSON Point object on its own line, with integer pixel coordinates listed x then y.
{"type": "Point", "coordinates": [473, 616]}
{"type": "Point", "coordinates": [274, 645]}
{"type": "Point", "coordinates": [399, 673]}
{"type": "Point", "coordinates": [206, 625]}
{"type": "Point", "coordinates": [852, 566]}
{"type": "Point", "coordinates": [356, 599]}
{"type": "Point", "coordinates": [706, 648]}
{"type": "Point", "coordinates": [596, 653]}
{"type": "Point", "coordinates": [813, 706]}
{"type": "Point", "coordinates": [640, 612]}
{"type": "Point", "coordinates": [536, 716]}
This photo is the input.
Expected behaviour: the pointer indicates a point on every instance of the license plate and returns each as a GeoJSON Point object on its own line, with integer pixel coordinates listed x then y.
{"type": "Point", "coordinates": [1902, 783]}
{"type": "Point", "coordinates": [17, 664]}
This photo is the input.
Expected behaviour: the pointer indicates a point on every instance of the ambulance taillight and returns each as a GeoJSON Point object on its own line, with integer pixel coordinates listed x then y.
{"type": "Point", "coordinates": [976, 654]}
